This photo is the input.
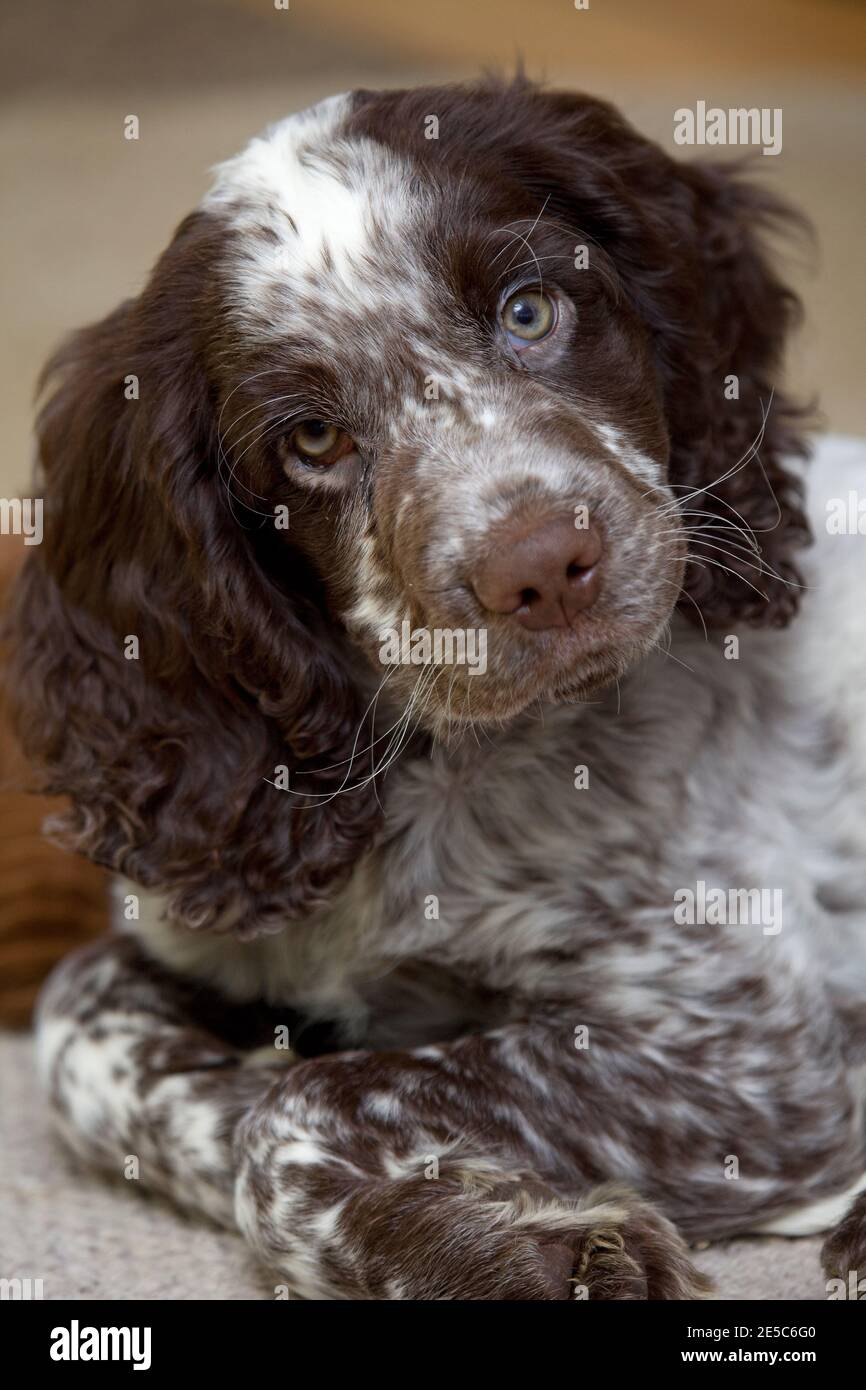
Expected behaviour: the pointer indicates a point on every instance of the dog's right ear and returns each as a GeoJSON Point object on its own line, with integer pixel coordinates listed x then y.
{"type": "Point", "coordinates": [159, 672]}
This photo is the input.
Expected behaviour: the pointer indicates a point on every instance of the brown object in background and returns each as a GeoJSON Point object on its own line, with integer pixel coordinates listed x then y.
{"type": "Point", "coordinates": [50, 901]}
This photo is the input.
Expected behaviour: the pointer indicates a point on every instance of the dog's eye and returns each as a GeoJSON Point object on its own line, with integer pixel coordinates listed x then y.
{"type": "Point", "coordinates": [319, 443]}
{"type": "Point", "coordinates": [528, 316]}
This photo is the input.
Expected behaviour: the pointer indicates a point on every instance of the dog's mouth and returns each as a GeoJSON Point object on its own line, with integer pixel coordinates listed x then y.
{"type": "Point", "coordinates": [451, 678]}
{"type": "Point", "coordinates": [553, 617]}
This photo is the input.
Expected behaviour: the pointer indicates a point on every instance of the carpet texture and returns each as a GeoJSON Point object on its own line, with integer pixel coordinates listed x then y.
{"type": "Point", "coordinates": [89, 1238]}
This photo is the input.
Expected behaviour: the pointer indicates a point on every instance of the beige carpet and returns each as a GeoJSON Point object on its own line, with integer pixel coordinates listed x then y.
{"type": "Point", "coordinates": [88, 1238]}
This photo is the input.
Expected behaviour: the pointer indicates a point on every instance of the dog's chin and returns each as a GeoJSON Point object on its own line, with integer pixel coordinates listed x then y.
{"type": "Point", "coordinates": [496, 702]}
{"type": "Point", "coordinates": [553, 668]}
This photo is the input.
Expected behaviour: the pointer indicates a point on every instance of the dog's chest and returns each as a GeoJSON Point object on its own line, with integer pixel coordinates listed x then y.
{"type": "Point", "coordinates": [542, 864]}
{"type": "Point", "coordinates": [498, 862]}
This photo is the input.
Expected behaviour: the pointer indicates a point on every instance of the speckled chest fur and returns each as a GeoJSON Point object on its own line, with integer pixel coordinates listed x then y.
{"type": "Point", "coordinates": [539, 866]}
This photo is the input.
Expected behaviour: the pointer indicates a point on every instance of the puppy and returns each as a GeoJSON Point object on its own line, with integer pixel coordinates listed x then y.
{"type": "Point", "coordinates": [558, 956]}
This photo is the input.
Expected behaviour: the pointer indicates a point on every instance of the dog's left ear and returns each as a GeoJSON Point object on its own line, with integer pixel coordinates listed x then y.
{"type": "Point", "coordinates": [736, 437]}
{"type": "Point", "coordinates": [686, 242]}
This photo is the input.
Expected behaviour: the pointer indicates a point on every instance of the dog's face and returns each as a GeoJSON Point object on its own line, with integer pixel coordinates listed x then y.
{"type": "Point", "coordinates": [460, 417]}
{"type": "Point", "coordinates": [444, 393]}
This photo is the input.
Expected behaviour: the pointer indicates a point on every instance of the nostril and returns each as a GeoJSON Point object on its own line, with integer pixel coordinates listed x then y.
{"type": "Point", "coordinates": [543, 577]}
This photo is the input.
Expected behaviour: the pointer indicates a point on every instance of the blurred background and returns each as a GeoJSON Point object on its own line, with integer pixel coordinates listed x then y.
{"type": "Point", "coordinates": [85, 213]}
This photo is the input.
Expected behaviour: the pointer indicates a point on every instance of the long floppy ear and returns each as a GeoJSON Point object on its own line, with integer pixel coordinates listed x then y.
{"type": "Point", "coordinates": [160, 671]}
{"type": "Point", "coordinates": [685, 241]}
{"type": "Point", "coordinates": [736, 437]}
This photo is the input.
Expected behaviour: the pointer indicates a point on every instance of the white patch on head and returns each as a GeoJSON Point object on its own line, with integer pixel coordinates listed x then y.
{"type": "Point", "coordinates": [322, 197]}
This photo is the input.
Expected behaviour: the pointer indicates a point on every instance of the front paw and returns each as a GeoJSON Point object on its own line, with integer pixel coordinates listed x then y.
{"type": "Point", "coordinates": [610, 1246]}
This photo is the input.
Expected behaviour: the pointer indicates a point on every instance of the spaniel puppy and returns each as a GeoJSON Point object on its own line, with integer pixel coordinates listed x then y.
{"type": "Point", "coordinates": [412, 633]}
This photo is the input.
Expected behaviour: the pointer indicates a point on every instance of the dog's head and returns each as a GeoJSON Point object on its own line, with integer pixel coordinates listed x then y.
{"type": "Point", "coordinates": [446, 396]}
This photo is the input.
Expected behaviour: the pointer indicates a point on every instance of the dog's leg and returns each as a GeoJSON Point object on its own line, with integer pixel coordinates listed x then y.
{"type": "Point", "coordinates": [137, 1086]}
{"type": "Point", "coordinates": [350, 1188]}
{"type": "Point", "coordinates": [453, 1171]}
{"type": "Point", "coordinates": [347, 1208]}
{"type": "Point", "coordinates": [458, 1171]}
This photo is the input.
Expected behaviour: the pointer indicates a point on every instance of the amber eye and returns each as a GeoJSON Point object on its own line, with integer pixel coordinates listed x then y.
{"type": "Point", "coordinates": [320, 443]}
{"type": "Point", "coordinates": [528, 316]}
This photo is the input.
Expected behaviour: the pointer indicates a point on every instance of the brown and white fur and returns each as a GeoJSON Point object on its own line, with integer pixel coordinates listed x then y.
{"type": "Point", "coordinates": [514, 1073]}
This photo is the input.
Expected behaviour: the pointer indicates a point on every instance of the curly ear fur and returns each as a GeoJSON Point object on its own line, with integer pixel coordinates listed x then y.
{"type": "Point", "coordinates": [165, 757]}
{"type": "Point", "coordinates": [731, 458]}
{"type": "Point", "coordinates": [685, 242]}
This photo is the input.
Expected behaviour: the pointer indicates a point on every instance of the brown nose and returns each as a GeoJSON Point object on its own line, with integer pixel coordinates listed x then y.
{"type": "Point", "coordinates": [545, 578]}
